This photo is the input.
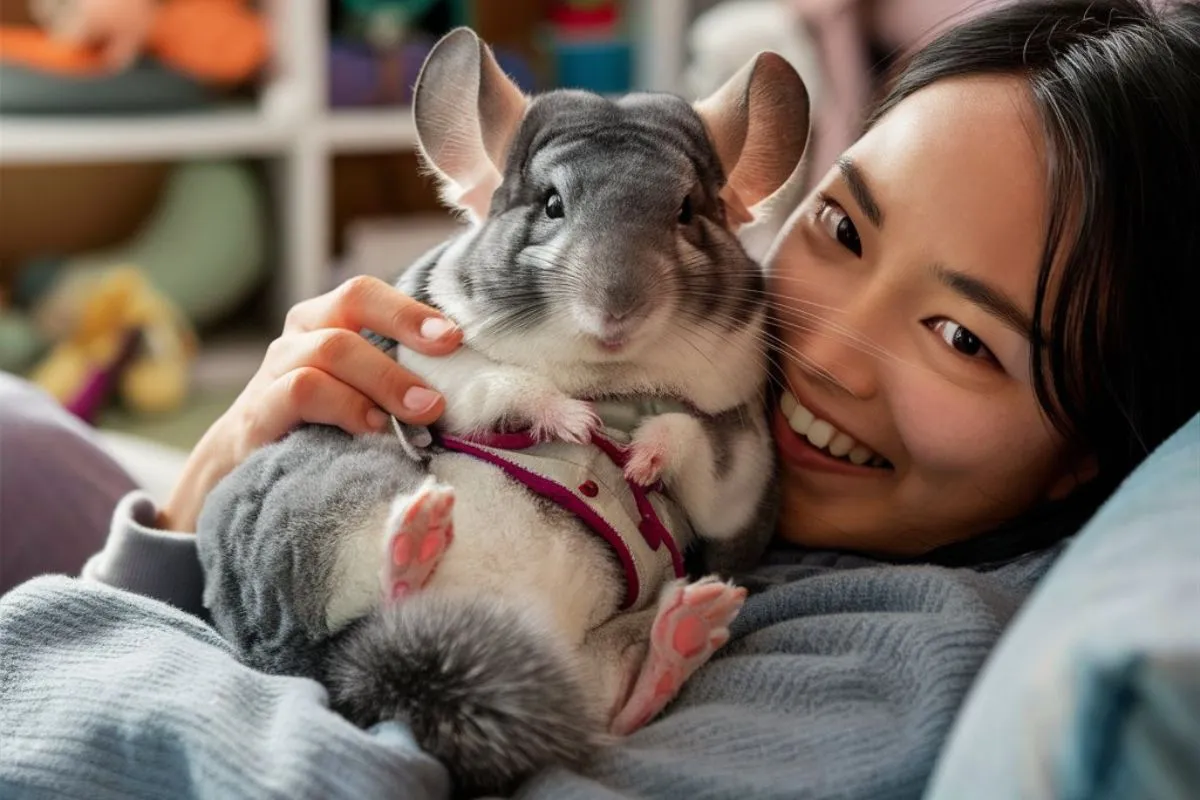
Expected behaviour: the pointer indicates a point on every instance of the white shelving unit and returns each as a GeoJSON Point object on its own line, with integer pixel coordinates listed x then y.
{"type": "Point", "coordinates": [29, 140]}
{"type": "Point", "coordinates": [292, 126]}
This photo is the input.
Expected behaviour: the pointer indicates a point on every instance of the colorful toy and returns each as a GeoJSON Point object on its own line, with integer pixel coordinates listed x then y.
{"type": "Point", "coordinates": [358, 77]}
{"type": "Point", "coordinates": [121, 320]}
{"type": "Point", "coordinates": [374, 51]}
{"type": "Point", "coordinates": [204, 248]}
{"type": "Point", "coordinates": [128, 339]}
{"type": "Point", "coordinates": [590, 50]}
{"type": "Point", "coordinates": [95, 35]}
{"type": "Point", "coordinates": [214, 41]}
{"type": "Point", "coordinates": [384, 24]}
{"type": "Point", "coordinates": [379, 47]}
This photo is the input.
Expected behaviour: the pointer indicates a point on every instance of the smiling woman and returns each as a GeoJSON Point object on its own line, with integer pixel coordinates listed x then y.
{"type": "Point", "coordinates": [979, 302]}
{"type": "Point", "coordinates": [982, 317]}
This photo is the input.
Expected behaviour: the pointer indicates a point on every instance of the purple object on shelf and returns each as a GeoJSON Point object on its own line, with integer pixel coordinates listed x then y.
{"type": "Point", "coordinates": [351, 77]}
{"type": "Point", "coordinates": [358, 76]}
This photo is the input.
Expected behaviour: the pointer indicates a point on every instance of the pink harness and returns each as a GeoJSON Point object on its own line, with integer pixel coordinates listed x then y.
{"type": "Point", "coordinates": [584, 501]}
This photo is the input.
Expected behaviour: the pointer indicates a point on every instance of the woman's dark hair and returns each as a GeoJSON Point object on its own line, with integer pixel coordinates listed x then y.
{"type": "Point", "coordinates": [1117, 86]}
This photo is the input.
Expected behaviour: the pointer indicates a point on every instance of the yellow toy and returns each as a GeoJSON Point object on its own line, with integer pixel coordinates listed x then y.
{"type": "Point", "coordinates": [125, 336]}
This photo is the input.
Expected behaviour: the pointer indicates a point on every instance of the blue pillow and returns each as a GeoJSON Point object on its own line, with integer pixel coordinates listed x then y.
{"type": "Point", "coordinates": [1094, 691]}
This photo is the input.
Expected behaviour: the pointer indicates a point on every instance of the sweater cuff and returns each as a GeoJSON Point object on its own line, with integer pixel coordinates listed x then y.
{"type": "Point", "coordinates": [137, 557]}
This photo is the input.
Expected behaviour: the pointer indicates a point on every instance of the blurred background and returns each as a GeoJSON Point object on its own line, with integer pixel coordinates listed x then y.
{"type": "Point", "coordinates": [175, 174]}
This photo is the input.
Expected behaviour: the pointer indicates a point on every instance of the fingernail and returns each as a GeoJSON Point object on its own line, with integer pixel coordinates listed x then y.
{"type": "Point", "coordinates": [376, 419]}
{"type": "Point", "coordinates": [418, 398]}
{"type": "Point", "coordinates": [436, 327]}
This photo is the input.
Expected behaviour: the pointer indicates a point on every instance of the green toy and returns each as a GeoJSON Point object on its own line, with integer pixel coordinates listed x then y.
{"type": "Point", "coordinates": [200, 255]}
{"type": "Point", "coordinates": [203, 248]}
{"type": "Point", "coordinates": [20, 341]}
{"type": "Point", "coordinates": [384, 23]}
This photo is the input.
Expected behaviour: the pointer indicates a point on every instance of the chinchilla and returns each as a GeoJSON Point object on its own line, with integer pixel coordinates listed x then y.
{"type": "Point", "coordinates": [515, 592]}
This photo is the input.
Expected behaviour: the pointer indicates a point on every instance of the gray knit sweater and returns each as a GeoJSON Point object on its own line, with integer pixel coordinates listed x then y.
{"type": "Point", "coordinates": [841, 680]}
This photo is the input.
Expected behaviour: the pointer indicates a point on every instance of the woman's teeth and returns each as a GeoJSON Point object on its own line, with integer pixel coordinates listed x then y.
{"type": "Point", "coordinates": [823, 436]}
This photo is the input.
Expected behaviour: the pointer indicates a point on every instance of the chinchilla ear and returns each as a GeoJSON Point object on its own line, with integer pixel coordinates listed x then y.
{"type": "Point", "coordinates": [758, 124]}
{"type": "Point", "coordinates": [466, 111]}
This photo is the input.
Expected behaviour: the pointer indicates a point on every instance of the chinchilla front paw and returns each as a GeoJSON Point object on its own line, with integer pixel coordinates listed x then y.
{"type": "Point", "coordinates": [558, 417]}
{"type": "Point", "coordinates": [659, 445]}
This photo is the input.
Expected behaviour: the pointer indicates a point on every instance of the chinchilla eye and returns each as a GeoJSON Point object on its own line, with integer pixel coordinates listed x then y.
{"type": "Point", "coordinates": [685, 212]}
{"type": "Point", "coordinates": [554, 206]}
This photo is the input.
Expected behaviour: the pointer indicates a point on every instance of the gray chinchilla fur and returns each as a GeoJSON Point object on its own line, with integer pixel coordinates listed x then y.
{"type": "Point", "coordinates": [601, 266]}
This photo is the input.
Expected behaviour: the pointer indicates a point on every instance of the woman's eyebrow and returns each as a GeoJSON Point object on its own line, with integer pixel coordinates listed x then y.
{"type": "Point", "coordinates": [992, 301]}
{"type": "Point", "coordinates": [861, 191]}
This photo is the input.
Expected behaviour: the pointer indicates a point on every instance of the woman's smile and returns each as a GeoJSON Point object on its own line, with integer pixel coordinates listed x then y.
{"type": "Point", "coordinates": [809, 439]}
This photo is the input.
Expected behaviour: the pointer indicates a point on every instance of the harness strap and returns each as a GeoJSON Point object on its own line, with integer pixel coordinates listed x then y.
{"type": "Point", "coordinates": [650, 502]}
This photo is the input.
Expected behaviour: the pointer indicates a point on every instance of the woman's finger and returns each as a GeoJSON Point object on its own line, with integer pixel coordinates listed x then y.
{"type": "Point", "coordinates": [366, 302]}
{"type": "Point", "coordinates": [310, 395]}
{"type": "Point", "coordinates": [354, 361]}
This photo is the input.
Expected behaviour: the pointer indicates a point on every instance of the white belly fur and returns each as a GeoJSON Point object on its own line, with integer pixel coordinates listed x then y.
{"type": "Point", "coordinates": [505, 544]}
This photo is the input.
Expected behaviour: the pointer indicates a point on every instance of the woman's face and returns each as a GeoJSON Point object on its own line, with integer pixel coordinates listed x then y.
{"type": "Point", "coordinates": [904, 286]}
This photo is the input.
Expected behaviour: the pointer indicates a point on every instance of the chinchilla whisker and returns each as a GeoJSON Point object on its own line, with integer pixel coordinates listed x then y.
{"type": "Point", "coordinates": [770, 297]}
{"type": "Point", "coordinates": [700, 329]}
{"type": "Point", "coordinates": [792, 353]}
{"type": "Point", "coordinates": [863, 345]}
{"type": "Point", "coordinates": [503, 323]}
{"type": "Point", "coordinates": [817, 325]}
{"type": "Point", "coordinates": [771, 340]}
{"type": "Point", "coordinates": [774, 301]}
{"type": "Point", "coordinates": [827, 327]}
{"type": "Point", "coordinates": [678, 336]}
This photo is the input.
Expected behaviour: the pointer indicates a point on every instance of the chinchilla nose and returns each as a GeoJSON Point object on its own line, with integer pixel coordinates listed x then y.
{"type": "Point", "coordinates": [622, 302]}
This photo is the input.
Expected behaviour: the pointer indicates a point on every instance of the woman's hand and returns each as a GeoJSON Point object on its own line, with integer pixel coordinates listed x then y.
{"type": "Point", "coordinates": [321, 370]}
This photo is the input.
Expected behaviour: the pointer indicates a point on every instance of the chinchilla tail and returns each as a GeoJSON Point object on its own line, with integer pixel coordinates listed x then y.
{"type": "Point", "coordinates": [483, 686]}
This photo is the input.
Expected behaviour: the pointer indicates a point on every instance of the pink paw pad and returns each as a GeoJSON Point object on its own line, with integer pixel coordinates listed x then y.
{"type": "Point", "coordinates": [422, 529]}
{"type": "Point", "coordinates": [691, 624]}
{"type": "Point", "coordinates": [690, 637]}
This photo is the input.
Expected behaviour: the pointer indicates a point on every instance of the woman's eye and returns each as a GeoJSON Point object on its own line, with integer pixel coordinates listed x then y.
{"type": "Point", "coordinates": [961, 339]}
{"type": "Point", "coordinates": [554, 206]}
{"type": "Point", "coordinates": [838, 225]}
{"type": "Point", "coordinates": [685, 212]}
